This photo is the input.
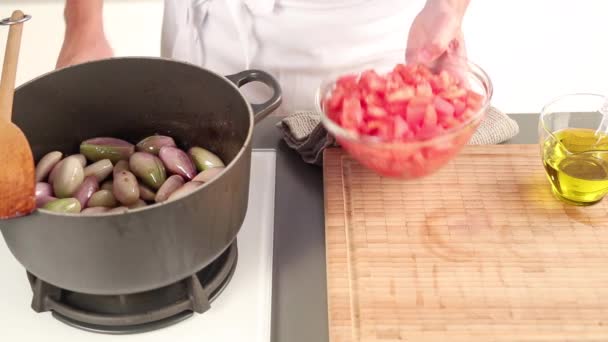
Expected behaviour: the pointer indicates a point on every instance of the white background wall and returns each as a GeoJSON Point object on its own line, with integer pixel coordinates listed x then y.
{"type": "Point", "coordinates": [533, 50]}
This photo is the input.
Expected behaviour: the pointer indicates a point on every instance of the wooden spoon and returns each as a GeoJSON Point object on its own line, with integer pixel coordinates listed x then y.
{"type": "Point", "coordinates": [17, 179]}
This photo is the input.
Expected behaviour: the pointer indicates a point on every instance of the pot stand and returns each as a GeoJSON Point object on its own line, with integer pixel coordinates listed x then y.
{"type": "Point", "coordinates": [139, 312]}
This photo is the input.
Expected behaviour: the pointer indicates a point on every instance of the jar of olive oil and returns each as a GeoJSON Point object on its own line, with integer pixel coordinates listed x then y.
{"type": "Point", "coordinates": [573, 131]}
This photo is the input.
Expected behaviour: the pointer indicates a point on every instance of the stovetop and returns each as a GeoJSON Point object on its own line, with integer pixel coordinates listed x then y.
{"type": "Point", "coordinates": [242, 312]}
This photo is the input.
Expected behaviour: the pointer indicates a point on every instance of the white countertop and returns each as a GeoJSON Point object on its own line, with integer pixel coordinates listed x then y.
{"type": "Point", "coordinates": [532, 50]}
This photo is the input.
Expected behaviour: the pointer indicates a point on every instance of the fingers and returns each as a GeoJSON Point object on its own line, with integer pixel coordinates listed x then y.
{"type": "Point", "coordinates": [456, 58]}
{"type": "Point", "coordinates": [422, 56]}
{"type": "Point", "coordinates": [434, 50]}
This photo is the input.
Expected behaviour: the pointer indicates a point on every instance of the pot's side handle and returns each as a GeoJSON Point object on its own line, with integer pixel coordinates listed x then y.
{"type": "Point", "coordinates": [260, 110]}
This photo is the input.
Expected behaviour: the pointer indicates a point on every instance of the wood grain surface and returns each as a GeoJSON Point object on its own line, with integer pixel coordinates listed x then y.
{"type": "Point", "coordinates": [480, 251]}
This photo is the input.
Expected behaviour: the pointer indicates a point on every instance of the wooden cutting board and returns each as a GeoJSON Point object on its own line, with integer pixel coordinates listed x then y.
{"type": "Point", "coordinates": [480, 251]}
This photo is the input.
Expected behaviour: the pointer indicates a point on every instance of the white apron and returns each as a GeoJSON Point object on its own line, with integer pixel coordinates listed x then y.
{"type": "Point", "coordinates": [297, 41]}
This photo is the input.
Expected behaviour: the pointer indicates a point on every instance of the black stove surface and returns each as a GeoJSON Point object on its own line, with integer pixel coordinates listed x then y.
{"type": "Point", "coordinates": [139, 312]}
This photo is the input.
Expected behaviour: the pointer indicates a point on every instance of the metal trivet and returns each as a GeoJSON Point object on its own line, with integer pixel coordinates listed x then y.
{"type": "Point", "coordinates": [139, 312]}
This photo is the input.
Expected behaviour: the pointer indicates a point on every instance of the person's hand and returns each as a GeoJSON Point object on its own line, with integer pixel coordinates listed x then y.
{"type": "Point", "coordinates": [436, 32]}
{"type": "Point", "coordinates": [84, 38]}
{"type": "Point", "coordinates": [83, 48]}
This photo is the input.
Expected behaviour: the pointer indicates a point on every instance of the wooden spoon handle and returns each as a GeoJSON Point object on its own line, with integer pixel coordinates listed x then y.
{"type": "Point", "coordinates": [9, 70]}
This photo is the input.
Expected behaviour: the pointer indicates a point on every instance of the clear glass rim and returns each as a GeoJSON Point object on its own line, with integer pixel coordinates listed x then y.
{"type": "Point", "coordinates": [545, 111]}
{"type": "Point", "coordinates": [470, 68]}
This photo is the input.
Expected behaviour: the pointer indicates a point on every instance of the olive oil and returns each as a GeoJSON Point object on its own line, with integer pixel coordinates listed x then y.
{"type": "Point", "coordinates": [576, 161]}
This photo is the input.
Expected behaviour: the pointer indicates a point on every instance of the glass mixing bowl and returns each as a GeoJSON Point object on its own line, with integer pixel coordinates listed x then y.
{"type": "Point", "coordinates": [415, 158]}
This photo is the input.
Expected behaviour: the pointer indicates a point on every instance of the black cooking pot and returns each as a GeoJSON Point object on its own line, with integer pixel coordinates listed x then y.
{"type": "Point", "coordinates": [131, 98]}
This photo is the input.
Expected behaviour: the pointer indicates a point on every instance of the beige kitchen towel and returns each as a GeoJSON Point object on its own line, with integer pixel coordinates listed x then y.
{"type": "Point", "coordinates": [304, 132]}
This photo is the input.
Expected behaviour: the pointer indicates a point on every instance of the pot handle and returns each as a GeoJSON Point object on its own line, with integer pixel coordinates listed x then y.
{"type": "Point", "coordinates": [263, 109]}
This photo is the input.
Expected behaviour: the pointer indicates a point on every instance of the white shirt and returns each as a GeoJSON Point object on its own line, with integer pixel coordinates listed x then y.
{"type": "Point", "coordinates": [298, 41]}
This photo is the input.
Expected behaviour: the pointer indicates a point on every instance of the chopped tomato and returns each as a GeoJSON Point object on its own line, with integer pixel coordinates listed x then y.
{"type": "Point", "coordinates": [376, 111]}
{"type": "Point", "coordinates": [347, 82]}
{"type": "Point", "coordinates": [397, 108]}
{"type": "Point", "coordinates": [379, 128]}
{"type": "Point", "coordinates": [352, 113]}
{"type": "Point", "coordinates": [402, 129]}
{"type": "Point", "coordinates": [446, 78]}
{"type": "Point", "coordinates": [402, 94]}
{"type": "Point", "coordinates": [423, 71]}
{"type": "Point", "coordinates": [459, 107]}
{"type": "Point", "coordinates": [441, 82]}
{"type": "Point", "coordinates": [428, 132]}
{"type": "Point", "coordinates": [408, 103]}
{"type": "Point", "coordinates": [444, 109]}
{"type": "Point", "coordinates": [408, 74]}
{"type": "Point", "coordinates": [449, 123]}
{"type": "Point", "coordinates": [394, 82]}
{"type": "Point", "coordinates": [430, 116]}
{"type": "Point", "coordinates": [335, 101]}
{"type": "Point", "coordinates": [371, 81]}
{"type": "Point", "coordinates": [373, 100]}
{"type": "Point", "coordinates": [453, 92]}
{"type": "Point", "coordinates": [415, 113]}
{"type": "Point", "coordinates": [424, 90]}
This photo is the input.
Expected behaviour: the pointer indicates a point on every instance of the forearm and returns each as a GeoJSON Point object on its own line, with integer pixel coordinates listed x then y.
{"type": "Point", "coordinates": [83, 17]}
{"type": "Point", "coordinates": [459, 7]}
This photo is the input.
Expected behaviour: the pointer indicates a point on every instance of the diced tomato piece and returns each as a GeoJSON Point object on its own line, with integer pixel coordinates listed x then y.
{"type": "Point", "coordinates": [401, 95]}
{"type": "Point", "coordinates": [415, 113]}
{"type": "Point", "coordinates": [364, 92]}
{"type": "Point", "coordinates": [430, 116]}
{"type": "Point", "coordinates": [371, 81]}
{"type": "Point", "coordinates": [352, 113]}
{"type": "Point", "coordinates": [333, 114]}
{"type": "Point", "coordinates": [402, 129]}
{"type": "Point", "coordinates": [428, 132]}
{"type": "Point", "coordinates": [397, 108]}
{"type": "Point", "coordinates": [379, 128]}
{"type": "Point", "coordinates": [372, 100]}
{"type": "Point", "coordinates": [347, 82]}
{"type": "Point", "coordinates": [404, 69]}
{"type": "Point", "coordinates": [453, 92]}
{"type": "Point", "coordinates": [436, 85]}
{"type": "Point", "coordinates": [449, 123]}
{"type": "Point", "coordinates": [399, 68]}
{"type": "Point", "coordinates": [412, 78]}
{"type": "Point", "coordinates": [423, 71]}
{"type": "Point", "coordinates": [376, 112]}
{"type": "Point", "coordinates": [441, 82]}
{"type": "Point", "coordinates": [459, 107]}
{"type": "Point", "coordinates": [423, 100]}
{"type": "Point", "coordinates": [444, 109]}
{"type": "Point", "coordinates": [474, 100]}
{"type": "Point", "coordinates": [335, 100]}
{"type": "Point", "coordinates": [407, 73]}
{"type": "Point", "coordinates": [394, 82]}
{"type": "Point", "coordinates": [446, 78]}
{"type": "Point", "coordinates": [424, 90]}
